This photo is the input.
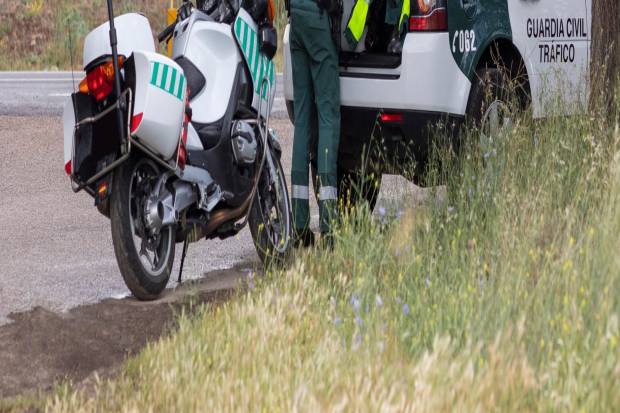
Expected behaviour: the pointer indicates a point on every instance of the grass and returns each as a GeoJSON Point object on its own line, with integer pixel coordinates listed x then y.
{"type": "Point", "coordinates": [504, 296]}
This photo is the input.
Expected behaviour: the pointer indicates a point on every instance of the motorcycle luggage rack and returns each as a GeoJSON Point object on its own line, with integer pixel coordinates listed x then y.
{"type": "Point", "coordinates": [77, 186]}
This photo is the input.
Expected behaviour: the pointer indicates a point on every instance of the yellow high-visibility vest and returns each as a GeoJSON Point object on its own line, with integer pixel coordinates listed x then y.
{"type": "Point", "coordinates": [357, 20]}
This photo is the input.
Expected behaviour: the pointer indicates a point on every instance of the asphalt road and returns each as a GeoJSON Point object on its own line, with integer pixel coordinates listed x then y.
{"type": "Point", "coordinates": [44, 93]}
{"type": "Point", "coordinates": [55, 248]}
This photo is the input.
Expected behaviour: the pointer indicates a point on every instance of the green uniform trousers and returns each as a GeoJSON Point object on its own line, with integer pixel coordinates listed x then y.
{"type": "Point", "coordinates": [316, 88]}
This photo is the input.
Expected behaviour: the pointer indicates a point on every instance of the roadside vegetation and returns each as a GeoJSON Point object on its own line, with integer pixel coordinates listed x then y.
{"type": "Point", "coordinates": [500, 296]}
{"type": "Point", "coordinates": [49, 35]}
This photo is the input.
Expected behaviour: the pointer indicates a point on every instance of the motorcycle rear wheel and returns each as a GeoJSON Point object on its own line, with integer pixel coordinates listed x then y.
{"type": "Point", "coordinates": [145, 276]}
{"type": "Point", "coordinates": [270, 217]}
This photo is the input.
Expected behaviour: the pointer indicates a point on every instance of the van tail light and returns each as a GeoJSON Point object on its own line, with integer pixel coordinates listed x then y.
{"type": "Point", "coordinates": [99, 82]}
{"type": "Point", "coordinates": [428, 16]}
{"type": "Point", "coordinates": [391, 117]}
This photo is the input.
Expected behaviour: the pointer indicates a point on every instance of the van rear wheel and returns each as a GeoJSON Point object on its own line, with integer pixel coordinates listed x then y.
{"type": "Point", "coordinates": [493, 103]}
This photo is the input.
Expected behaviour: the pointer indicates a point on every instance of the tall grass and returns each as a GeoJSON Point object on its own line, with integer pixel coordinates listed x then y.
{"type": "Point", "coordinates": [502, 297]}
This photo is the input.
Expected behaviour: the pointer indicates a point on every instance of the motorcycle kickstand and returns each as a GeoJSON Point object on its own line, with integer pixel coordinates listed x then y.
{"type": "Point", "coordinates": [185, 245]}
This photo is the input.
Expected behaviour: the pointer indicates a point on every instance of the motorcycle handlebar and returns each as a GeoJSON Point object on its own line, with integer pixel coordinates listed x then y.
{"type": "Point", "coordinates": [166, 33]}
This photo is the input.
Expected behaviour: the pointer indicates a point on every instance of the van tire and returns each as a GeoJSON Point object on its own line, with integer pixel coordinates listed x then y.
{"type": "Point", "coordinates": [493, 102]}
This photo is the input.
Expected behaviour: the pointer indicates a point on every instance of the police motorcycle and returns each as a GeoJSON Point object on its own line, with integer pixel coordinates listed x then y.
{"type": "Point", "coordinates": [175, 150]}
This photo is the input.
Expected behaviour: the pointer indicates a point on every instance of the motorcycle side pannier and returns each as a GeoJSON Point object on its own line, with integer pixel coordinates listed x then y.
{"type": "Point", "coordinates": [159, 103]}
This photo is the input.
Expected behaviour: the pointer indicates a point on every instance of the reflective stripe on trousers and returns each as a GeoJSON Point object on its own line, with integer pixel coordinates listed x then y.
{"type": "Point", "coordinates": [328, 193]}
{"type": "Point", "coordinates": [300, 192]}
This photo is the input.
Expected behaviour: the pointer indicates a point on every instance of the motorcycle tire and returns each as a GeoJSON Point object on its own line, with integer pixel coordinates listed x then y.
{"type": "Point", "coordinates": [130, 181]}
{"type": "Point", "coordinates": [271, 251]}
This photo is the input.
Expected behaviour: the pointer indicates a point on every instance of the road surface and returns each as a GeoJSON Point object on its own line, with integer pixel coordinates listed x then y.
{"type": "Point", "coordinates": [44, 93]}
{"type": "Point", "coordinates": [56, 248]}
{"type": "Point", "coordinates": [63, 305]}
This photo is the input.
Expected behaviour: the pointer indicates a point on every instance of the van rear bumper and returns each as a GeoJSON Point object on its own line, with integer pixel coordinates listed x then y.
{"type": "Point", "coordinates": [403, 141]}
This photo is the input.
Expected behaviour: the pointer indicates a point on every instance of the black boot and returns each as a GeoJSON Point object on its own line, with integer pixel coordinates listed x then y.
{"type": "Point", "coordinates": [327, 241]}
{"type": "Point", "coordinates": [303, 238]}
{"type": "Point", "coordinates": [396, 45]}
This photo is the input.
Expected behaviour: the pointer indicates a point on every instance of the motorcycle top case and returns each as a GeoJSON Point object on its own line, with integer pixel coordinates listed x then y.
{"type": "Point", "coordinates": [159, 103]}
{"type": "Point", "coordinates": [133, 32]}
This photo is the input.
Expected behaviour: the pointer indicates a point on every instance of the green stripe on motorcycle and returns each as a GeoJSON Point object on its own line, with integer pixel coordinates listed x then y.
{"type": "Point", "coordinates": [155, 71]}
{"type": "Point", "coordinates": [172, 90]}
{"type": "Point", "coordinates": [164, 77]}
{"type": "Point", "coordinates": [173, 81]}
{"type": "Point", "coordinates": [244, 42]}
{"type": "Point", "coordinates": [181, 84]}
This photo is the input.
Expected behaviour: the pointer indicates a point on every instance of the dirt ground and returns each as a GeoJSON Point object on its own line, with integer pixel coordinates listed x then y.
{"type": "Point", "coordinates": [41, 348]}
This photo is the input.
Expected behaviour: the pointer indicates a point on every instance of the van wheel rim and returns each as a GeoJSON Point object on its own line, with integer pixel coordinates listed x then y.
{"type": "Point", "coordinates": [495, 122]}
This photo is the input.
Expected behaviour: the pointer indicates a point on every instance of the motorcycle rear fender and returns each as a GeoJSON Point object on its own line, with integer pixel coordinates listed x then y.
{"type": "Point", "coordinates": [160, 93]}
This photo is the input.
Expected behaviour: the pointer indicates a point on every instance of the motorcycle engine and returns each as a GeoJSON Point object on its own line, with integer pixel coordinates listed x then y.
{"type": "Point", "coordinates": [243, 142]}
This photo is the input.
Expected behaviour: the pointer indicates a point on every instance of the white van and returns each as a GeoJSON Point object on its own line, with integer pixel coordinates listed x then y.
{"type": "Point", "coordinates": [453, 52]}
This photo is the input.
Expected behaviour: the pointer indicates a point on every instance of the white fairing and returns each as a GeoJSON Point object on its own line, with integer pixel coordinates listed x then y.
{"type": "Point", "coordinates": [68, 123]}
{"type": "Point", "coordinates": [193, 140]}
{"type": "Point", "coordinates": [259, 66]}
{"type": "Point", "coordinates": [566, 73]}
{"type": "Point", "coordinates": [133, 32]}
{"type": "Point", "coordinates": [159, 99]}
{"type": "Point", "coordinates": [210, 46]}
{"type": "Point", "coordinates": [428, 79]}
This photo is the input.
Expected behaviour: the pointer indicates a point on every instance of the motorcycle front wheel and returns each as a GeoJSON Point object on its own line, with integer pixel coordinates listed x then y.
{"type": "Point", "coordinates": [270, 215]}
{"type": "Point", "coordinates": [145, 260]}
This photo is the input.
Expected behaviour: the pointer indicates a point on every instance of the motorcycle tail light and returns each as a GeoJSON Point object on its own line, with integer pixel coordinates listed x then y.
{"type": "Point", "coordinates": [135, 121]}
{"type": "Point", "coordinates": [99, 81]}
{"type": "Point", "coordinates": [428, 16]}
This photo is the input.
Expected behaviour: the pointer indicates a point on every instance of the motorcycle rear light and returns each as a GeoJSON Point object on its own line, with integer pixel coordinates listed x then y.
{"type": "Point", "coordinates": [68, 168]}
{"type": "Point", "coordinates": [391, 117]}
{"type": "Point", "coordinates": [99, 81]}
{"type": "Point", "coordinates": [428, 16]}
{"type": "Point", "coordinates": [103, 188]}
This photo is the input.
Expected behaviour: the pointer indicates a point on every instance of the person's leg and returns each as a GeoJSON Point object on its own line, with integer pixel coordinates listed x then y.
{"type": "Point", "coordinates": [325, 76]}
{"type": "Point", "coordinates": [304, 113]}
